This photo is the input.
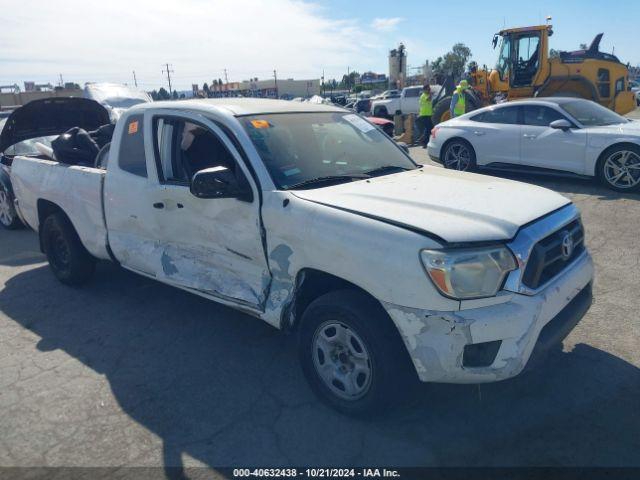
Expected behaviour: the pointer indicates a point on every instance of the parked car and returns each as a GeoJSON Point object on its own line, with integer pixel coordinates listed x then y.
{"type": "Point", "coordinates": [547, 135]}
{"type": "Point", "coordinates": [387, 94]}
{"type": "Point", "coordinates": [362, 105]}
{"type": "Point", "coordinates": [53, 116]}
{"type": "Point", "coordinates": [385, 124]}
{"type": "Point", "coordinates": [308, 217]}
{"type": "Point", "coordinates": [407, 102]}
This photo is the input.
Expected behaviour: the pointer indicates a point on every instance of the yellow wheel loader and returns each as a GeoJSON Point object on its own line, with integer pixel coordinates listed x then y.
{"type": "Point", "coordinates": [524, 69]}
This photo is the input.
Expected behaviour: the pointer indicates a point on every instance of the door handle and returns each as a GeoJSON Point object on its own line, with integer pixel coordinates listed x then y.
{"type": "Point", "coordinates": [478, 133]}
{"type": "Point", "coordinates": [159, 205]}
{"type": "Point", "coordinates": [529, 136]}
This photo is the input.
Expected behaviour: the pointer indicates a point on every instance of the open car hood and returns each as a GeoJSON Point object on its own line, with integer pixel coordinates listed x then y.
{"type": "Point", "coordinates": [51, 116]}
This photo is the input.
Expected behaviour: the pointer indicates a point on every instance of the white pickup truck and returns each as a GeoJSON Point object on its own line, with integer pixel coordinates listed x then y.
{"type": "Point", "coordinates": [310, 218]}
{"type": "Point", "coordinates": [408, 102]}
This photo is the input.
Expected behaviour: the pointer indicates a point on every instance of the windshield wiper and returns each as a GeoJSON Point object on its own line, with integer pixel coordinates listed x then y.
{"type": "Point", "coordinates": [329, 179]}
{"type": "Point", "coordinates": [385, 169]}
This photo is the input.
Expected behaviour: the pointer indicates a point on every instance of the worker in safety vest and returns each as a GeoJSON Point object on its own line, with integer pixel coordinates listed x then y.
{"type": "Point", "coordinates": [424, 122]}
{"type": "Point", "coordinates": [458, 101]}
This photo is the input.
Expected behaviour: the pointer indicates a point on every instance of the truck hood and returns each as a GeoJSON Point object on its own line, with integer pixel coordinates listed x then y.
{"type": "Point", "coordinates": [51, 116]}
{"type": "Point", "coordinates": [453, 206]}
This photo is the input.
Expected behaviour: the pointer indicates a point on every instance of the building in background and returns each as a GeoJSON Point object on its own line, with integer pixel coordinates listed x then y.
{"type": "Point", "coordinates": [370, 78]}
{"type": "Point", "coordinates": [286, 88]}
{"type": "Point", "coordinates": [397, 67]}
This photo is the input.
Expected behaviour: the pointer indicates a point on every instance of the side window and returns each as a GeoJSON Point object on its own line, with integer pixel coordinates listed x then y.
{"type": "Point", "coordinates": [412, 92]}
{"type": "Point", "coordinates": [619, 85]}
{"type": "Point", "coordinates": [183, 148]}
{"type": "Point", "coordinates": [540, 116]}
{"type": "Point", "coordinates": [604, 85]}
{"type": "Point", "coordinates": [506, 115]}
{"type": "Point", "coordinates": [131, 157]}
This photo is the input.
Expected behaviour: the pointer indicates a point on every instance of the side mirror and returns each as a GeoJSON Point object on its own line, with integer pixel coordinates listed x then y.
{"type": "Point", "coordinates": [561, 124]}
{"type": "Point", "coordinates": [219, 182]}
{"type": "Point", "coordinates": [404, 147]}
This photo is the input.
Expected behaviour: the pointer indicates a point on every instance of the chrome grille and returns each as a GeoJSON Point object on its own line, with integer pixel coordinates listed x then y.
{"type": "Point", "coordinates": [552, 254]}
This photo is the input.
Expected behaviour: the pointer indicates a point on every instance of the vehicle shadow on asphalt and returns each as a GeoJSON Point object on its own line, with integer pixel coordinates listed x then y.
{"type": "Point", "coordinates": [226, 389]}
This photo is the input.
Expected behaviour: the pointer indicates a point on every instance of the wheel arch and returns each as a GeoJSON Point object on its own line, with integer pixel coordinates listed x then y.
{"type": "Point", "coordinates": [608, 149]}
{"type": "Point", "coordinates": [45, 209]}
{"type": "Point", "coordinates": [313, 283]}
{"type": "Point", "coordinates": [452, 139]}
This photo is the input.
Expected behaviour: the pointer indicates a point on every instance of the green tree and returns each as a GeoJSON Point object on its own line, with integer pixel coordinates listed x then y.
{"type": "Point", "coordinates": [452, 62]}
{"type": "Point", "coordinates": [163, 94]}
{"type": "Point", "coordinates": [553, 53]}
{"type": "Point", "coordinates": [175, 95]}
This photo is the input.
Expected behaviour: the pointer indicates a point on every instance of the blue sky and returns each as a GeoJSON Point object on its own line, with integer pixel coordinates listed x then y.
{"type": "Point", "coordinates": [106, 41]}
{"type": "Point", "coordinates": [431, 29]}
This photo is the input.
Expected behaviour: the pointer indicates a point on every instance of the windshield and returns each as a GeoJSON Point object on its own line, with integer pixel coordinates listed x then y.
{"type": "Point", "coordinates": [299, 147]}
{"type": "Point", "coordinates": [28, 147]}
{"type": "Point", "coordinates": [590, 114]}
{"type": "Point", "coordinates": [503, 59]}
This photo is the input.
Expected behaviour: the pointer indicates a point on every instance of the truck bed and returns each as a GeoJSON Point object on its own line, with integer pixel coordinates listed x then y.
{"type": "Point", "coordinates": [77, 190]}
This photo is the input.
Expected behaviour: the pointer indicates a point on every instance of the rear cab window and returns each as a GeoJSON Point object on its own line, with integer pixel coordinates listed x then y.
{"type": "Point", "coordinates": [131, 157]}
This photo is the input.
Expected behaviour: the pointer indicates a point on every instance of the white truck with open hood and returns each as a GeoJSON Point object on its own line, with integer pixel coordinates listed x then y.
{"type": "Point", "coordinates": [310, 218]}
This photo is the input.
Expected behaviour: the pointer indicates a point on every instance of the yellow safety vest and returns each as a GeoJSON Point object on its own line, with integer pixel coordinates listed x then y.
{"type": "Point", "coordinates": [460, 107]}
{"type": "Point", "coordinates": [426, 106]}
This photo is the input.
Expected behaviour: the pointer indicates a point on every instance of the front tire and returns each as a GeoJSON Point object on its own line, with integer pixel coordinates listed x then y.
{"type": "Point", "coordinates": [352, 354]}
{"type": "Point", "coordinates": [68, 259]}
{"type": "Point", "coordinates": [8, 216]}
{"type": "Point", "coordinates": [619, 168]}
{"type": "Point", "coordinates": [458, 155]}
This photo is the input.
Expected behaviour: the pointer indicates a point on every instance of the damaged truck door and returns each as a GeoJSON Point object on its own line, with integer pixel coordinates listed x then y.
{"type": "Point", "coordinates": [210, 244]}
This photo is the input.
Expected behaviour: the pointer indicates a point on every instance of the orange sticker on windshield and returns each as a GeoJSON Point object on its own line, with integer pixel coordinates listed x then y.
{"type": "Point", "coordinates": [133, 127]}
{"type": "Point", "coordinates": [260, 124]}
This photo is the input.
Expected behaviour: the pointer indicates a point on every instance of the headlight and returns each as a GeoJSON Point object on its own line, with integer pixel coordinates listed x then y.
{"type": "Point", "coordinates": [469, 272]}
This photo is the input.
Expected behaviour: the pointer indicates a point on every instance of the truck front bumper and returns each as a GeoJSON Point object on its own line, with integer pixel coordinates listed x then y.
{"type": "Point", "coordinates": [495, 342]}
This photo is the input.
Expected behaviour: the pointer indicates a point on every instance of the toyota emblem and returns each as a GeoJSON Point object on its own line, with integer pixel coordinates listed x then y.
{"type": "Point", "coordinates": [567, 245]}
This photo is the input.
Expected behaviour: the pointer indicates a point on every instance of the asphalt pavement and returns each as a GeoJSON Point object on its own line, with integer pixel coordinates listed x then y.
{"type": "Point", "coordinates": [129, 372]}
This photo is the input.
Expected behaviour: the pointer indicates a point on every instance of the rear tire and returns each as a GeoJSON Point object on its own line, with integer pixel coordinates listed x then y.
{"type": "Point", "coordinates": [8, 216]}
{"type": "Point", "coordinates": [618, 168]}
{"type": "Point", "coordinates": [68, 259]}
{"type": "Point", "coordinates": [441, 112]}
{"type": "Point", "coordinates": [352, 356]}
{"type": "Point", "coordinates": [458, 154]}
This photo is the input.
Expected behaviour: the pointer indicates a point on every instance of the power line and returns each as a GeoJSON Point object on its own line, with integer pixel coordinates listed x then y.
{"type": "Point", "coordinates": [168, 71]}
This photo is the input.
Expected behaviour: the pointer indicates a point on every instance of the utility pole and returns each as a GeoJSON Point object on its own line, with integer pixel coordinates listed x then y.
{"type": "Point", "coordinates": [226, 79]}
{"type": "Point", "coordinates": [275, 79]}
{"type": "Point", "coordinates": [348, 80]}
{"type": "Point", "coordinates": [168, 71]}
{"type": "Point", "coordinates": [135, 81]}
{"type": "Point", "coordinates": [61, 81]}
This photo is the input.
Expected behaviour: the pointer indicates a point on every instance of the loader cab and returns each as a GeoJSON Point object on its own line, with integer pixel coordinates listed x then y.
{"type": "Point", "coordinates": [522, 59]}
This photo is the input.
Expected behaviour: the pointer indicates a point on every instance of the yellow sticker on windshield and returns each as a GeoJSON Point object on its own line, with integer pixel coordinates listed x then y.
{"type": "Point", "coordinates": [133, 127]}
{"type": "Point", "coordinates": [260, 124]}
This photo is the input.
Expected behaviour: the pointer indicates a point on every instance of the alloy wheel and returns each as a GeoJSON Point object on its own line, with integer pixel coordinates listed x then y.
{"type": "Point", "coordinates": [457, 157]}
{"type": "Point", "coordinates": [342, 361]}
{"type": "Point", "coordinates": [6, 209]}
{"type": "Point", "coordinates": [622, 169]}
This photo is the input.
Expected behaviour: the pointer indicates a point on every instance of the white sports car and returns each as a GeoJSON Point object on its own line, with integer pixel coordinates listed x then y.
{"type": "Point", "coordinates": [548, 135]}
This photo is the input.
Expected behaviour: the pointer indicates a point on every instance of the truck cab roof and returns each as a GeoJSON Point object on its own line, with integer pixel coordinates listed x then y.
{"type": "Point", "coordinates": [241, 106]}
